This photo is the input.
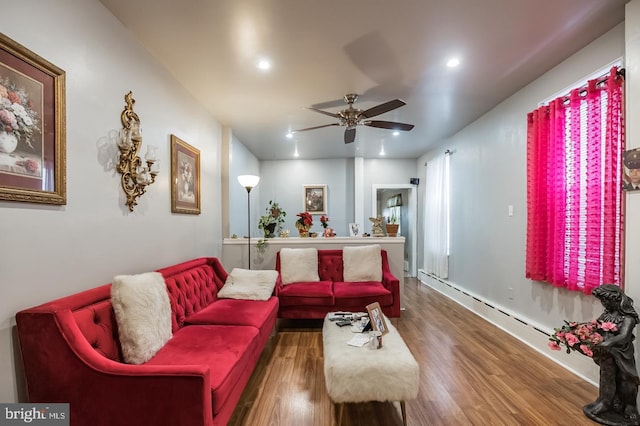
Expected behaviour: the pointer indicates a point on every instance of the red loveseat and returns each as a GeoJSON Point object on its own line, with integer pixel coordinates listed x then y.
{"type": "Point", "coordinates": [71, 353]}
{"type": "Point", "coordinates": [314, 299]}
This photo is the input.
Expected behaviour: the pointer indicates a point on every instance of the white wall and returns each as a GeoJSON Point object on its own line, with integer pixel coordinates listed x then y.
{"type": "Point", "coordinates": [283, 181]}
{"type": "Point", "coordinates": [488, 173]}
{"type": "Point", "coordinates": [632, 231]}
{"type": "Point", "coordinates": [52, 251]}
{"type": "Point", "coordinates": [243, 162]}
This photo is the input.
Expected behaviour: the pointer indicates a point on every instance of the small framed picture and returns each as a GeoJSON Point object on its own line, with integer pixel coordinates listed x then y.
{"type": "Point", "coordinates": [185, 177]}
{"type": "Point", "coordinates": [315, 199]}
{"type": "Point", "coordinates": [377, 318]}
{"type": "Point", "coordinates": [354, 230]}
{"type": "Point", "coordinates": [631, 176]}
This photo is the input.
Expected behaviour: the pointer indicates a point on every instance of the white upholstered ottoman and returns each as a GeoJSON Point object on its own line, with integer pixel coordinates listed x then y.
{"type": "Point", "coordinates": [360, 374]}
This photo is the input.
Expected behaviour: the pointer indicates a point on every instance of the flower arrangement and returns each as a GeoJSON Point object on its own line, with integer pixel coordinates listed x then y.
{"type": "Point", "coordinates": [16, 115]}
{"type": "Point", "coordinates": [304, 221]}
{"type": "Point", "coordinates": [581, 337]}
{"type": "Point", "coordinates": [324, 220]}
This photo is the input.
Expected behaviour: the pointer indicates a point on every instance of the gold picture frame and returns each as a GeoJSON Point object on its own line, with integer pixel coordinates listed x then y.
{"type": "Point", "coordinates": [33, 128]}
{"type": "Point", "coordinates": [185, 177]}
{"type": "Point", "coordinates": [315, 199]}
{"type": "Point", "coordinates": [376, 317]}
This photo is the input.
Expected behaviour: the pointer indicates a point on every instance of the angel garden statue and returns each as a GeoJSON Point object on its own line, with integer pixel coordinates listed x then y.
{"type": "Point", "coordinates": [617, 399]}
{"type": "Point", "coordinates": [376, 229]}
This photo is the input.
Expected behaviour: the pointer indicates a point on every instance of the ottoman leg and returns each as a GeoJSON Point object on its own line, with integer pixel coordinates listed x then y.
{"type": "Point", "coordinates": [340, 407]}
{"type": "Point", "coordinates": [403, 408]}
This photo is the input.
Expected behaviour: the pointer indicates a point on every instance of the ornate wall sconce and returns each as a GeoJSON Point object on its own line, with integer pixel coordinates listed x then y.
{"type": "Point", "coordinates": [135, 175]}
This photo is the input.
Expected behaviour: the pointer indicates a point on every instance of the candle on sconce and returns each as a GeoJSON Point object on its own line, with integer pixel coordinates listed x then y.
{"type": "Point", "coordinates": [125, 139]}
{"type": "Point", "coordinates": [136, 131]}
{"type": "Point", "coordinates": [151, 153]}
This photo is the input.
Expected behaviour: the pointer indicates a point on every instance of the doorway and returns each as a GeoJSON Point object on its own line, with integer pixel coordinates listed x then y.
{"type": "Point", "coordinates": [401, 201]}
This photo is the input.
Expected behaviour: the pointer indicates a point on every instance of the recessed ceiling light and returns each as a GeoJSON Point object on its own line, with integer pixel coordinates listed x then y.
{"type": "Point", "coordinates": [453, 62]}
{"type": "Point", "coordinates": [289, 135]}
{"type": "Point", "coordinates": [396, 133]}
{"type": "Point", "coordinates": [264, 64]}
{"type": "Point", "coordinates": [382, 151]}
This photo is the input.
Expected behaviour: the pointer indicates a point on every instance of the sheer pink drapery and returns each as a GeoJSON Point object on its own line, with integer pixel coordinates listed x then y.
{"type": "Point", "coordinates": [574, 187]}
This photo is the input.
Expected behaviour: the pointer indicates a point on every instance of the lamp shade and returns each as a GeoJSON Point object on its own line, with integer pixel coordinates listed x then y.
{"type": "Point", "coordinates": [248, 181]}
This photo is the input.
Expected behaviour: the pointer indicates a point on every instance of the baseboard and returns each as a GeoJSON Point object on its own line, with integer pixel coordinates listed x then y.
{"type": "Point", "coordinates": [531, 334]}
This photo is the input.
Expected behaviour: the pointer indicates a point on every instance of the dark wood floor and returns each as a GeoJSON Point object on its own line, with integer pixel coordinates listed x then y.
{"type": "Point", "coordinates": [471, 373]}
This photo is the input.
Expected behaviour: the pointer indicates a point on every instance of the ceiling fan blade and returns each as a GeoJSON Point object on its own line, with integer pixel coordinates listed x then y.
{"type": "Point", "coordinates": [382, 108]}
{"type": "Point", "coordinates": [350, 135]}
{"type": "Point", "coordinates": [330, 114]}
{"type": "Point", "coordinates": [388, 125]}
{"type": "Point", "coordinates": [315, 127]}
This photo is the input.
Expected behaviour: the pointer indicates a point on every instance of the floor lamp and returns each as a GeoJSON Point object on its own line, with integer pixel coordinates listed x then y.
{"type": "Point", "coordinates": [249, 182]}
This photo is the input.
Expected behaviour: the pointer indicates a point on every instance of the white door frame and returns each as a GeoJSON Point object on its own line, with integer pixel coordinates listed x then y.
{"type": "Point", "coordinates": [413, 220]}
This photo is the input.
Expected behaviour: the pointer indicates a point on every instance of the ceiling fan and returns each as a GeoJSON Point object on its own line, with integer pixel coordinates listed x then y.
{"type": "Point", "coordinates": [352, 117]}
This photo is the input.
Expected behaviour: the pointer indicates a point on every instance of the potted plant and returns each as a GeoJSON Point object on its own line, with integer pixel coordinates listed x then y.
{"type": "Point", "coordinates": [392, 226]}
{"type": "Point", "coordinates": [272, 220]}
{"type": "Point", "coordinates": [304, 223]}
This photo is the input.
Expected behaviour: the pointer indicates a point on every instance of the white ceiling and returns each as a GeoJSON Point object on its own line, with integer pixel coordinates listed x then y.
{"type": "Point", "coordinates": [379, 49]}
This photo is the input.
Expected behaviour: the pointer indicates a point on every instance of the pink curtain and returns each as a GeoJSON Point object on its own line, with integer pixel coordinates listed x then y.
{"type": "Point", "coordinates": [574, 187]}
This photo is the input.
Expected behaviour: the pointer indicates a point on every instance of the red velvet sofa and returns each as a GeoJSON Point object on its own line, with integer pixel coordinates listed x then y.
{"type": "Point", "coordinates": [71, 353]}
{"type": "Point", "coordinates": [313, 300]}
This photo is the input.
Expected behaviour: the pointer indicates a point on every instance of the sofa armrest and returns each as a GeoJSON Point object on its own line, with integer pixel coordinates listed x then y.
{"type": "Point", "coordinates": [391, 283]}
{"type": "Point", "coordinates": [62, 366]}
{"type": "Point", "coordinates": [278, 287]}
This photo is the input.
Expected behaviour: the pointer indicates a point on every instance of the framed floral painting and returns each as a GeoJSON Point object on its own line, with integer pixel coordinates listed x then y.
{"type": "Point", "coordinates": [185, 177]}
{"type": "Point", "coordinates": [32, 127]}
{"type": "Point", "coordinates": [315, 199]}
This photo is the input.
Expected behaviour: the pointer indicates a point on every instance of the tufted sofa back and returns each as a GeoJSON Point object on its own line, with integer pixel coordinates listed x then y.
{"type": "Point", "coordinates": [191, 286]}
{"type": "Point", "coordinates": [330, 264]}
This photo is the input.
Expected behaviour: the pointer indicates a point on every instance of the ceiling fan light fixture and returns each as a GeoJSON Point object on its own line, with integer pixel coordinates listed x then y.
{"type": "Point", "coordinates": [352, 117]}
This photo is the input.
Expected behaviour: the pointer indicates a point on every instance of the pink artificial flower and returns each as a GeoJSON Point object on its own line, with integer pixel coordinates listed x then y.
{"type": "Point", "coordinates": [554, 346]}
{"type": "Point", "coordinates": [14, 98]}
{"type": "Point", "coordinates": [31, 166]}
{"type": "Point", "coordinates": [571, 339]}
{"type": "Point", "coordinates": [560, 335]}
{"type": "Point", "coordinates": [8, 118]}
{"type": "Point", "coordinates": [572, 324]}
{"type": "Point", "coordinates": [585, 350]}
{"type": "Point", "coordinates": [597, 338]}
{"type": "Point", "coordinates": [608, 326]}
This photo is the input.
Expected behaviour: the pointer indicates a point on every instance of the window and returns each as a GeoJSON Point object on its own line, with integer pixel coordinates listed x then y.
{"type": "Point", "coordinates": [436, 224]}
{"type": "Point", "coordinates": [574, 187]}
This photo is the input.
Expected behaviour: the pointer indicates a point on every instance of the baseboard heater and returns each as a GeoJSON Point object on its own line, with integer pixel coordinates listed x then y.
{"type": "Point", "coordinates": [532, 335]}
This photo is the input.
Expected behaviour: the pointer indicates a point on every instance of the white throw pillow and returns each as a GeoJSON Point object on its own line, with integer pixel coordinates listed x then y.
{"type": "Point", "coordinates": [298, 265]}
{"type": "Point", "coordinates": [362, 263]}
{"type": "Point", "coordinates": [143, 313]}
{"type": "Point", "coordinates": [249, 284]}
